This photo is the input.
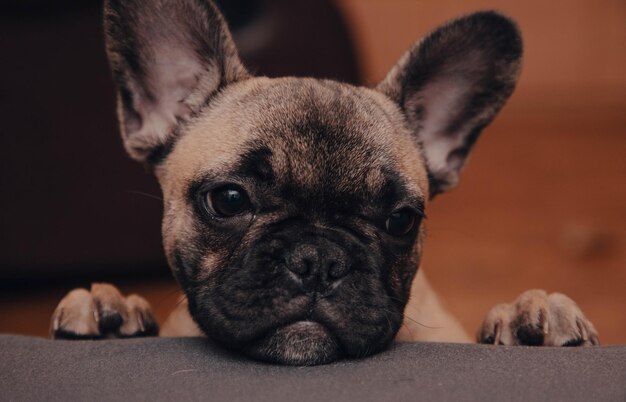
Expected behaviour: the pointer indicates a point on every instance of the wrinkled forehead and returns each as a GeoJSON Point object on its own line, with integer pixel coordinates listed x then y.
{"type": "Point", "coordinates": [312, 134]}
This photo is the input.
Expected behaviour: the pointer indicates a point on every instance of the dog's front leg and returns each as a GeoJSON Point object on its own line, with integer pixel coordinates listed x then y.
{"type": "Point", "coordinates": [538, 319]}
{"type": "Point", "coordinates": [426, 319]}
{"type": "Point", "coordinates": [102, 312]}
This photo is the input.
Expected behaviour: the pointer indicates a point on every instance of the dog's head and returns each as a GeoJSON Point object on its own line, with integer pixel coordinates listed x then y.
{"type": "Point", "coordinates": [293, 208]}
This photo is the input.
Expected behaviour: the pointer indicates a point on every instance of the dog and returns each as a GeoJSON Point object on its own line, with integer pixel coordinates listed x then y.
{"type": "Point", "coordinates": [294, 208]}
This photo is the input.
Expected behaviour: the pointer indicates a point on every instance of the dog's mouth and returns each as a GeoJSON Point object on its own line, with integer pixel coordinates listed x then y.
{"type": "Point", "coordinates": [302, 343]}
{"type": "Point", "coordinates": [307, 334]}
{"type": "Point", "coordinates": [303, 336]}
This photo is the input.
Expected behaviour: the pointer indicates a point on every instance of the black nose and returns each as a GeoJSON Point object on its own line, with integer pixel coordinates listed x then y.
{"type": "Point", "coordinates": [325, 263]}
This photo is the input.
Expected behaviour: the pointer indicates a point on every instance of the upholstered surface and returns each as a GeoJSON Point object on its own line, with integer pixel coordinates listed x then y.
{"type": "Point", "coordinates": [194, 369]}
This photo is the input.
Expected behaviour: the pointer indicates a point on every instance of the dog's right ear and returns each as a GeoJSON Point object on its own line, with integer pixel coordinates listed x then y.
{"type": "Point", "coordinates": [168, 58]}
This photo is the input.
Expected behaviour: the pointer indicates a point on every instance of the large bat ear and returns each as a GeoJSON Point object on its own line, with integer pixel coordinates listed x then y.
{"type": "Point", "coordinates": [451, 84]}
{"type": "Point", "coordinates": [168, 58]}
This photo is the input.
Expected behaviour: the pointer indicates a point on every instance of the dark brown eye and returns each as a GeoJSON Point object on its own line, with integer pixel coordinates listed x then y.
{"type": "Point", "coordinates": [228, 201]}
{"type": "Point", "coordinates": [400, 222]}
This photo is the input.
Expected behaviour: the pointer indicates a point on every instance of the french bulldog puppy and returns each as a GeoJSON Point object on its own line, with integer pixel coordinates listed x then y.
{"type": "Point", "coordinates": [294, 208]}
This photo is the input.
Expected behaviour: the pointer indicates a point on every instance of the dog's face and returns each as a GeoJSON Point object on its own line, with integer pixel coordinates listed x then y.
{"type": "Point", "coordinates": [293, 208]}
{"type": "Point", "coordinates": [296, 238]}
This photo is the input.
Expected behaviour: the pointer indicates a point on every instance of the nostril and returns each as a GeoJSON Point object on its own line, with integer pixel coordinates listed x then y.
{"type": "Point", "coordinates": [304, 267]}
{"type": "Point", "coordinates": [303, 260]}
{"type": "Point", "coordinates": [337, 269]}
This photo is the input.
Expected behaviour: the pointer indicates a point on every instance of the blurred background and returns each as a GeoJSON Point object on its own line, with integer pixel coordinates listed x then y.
{"type": "Point", "coordinates": [542, 202]}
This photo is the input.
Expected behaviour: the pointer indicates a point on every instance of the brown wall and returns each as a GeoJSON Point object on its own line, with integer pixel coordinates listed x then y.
{"type": "Point", "coordinates": [569, 44]}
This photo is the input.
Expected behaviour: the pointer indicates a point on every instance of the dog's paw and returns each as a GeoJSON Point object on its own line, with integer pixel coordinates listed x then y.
{"type": "Point", "coordinates": [102, 312]}
{"type": "Point", "coordinates": [538, 319]}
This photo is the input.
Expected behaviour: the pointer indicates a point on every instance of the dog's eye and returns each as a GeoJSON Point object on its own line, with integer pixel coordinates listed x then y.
{"type": "Point", "coordinates": [400, 222]}
{"type": "Point", "coordinates": [228, 201]}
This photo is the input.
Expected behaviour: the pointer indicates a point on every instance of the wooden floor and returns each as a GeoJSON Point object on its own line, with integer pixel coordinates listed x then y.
{"type": "Point", "coordinates": [542, 204]}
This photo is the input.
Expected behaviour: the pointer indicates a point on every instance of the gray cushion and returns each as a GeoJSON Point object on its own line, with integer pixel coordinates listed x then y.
{"type": "Point", "coordinates": [194, 369]}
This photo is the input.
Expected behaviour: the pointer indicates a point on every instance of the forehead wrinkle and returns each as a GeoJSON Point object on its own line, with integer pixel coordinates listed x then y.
{"type": "Point", "coordinates": [406, 148]}
{"type": "Point", "coordinates": [326, 135]}
{"type": "Point", "coordinates": [266, 110]}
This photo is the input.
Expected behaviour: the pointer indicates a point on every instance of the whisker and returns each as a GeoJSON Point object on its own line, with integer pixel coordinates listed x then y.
{"type": "Point", "coordinates": [181, 300]}
{"type": "Point", "coordinates": [416, 311]}
{"type": "Point", "coordinates": [167, 295]}
{"type": "Point", "coordinates": [408, 328]}
{"type": "Point", "coordinates": [155, 197]}
{"type": "Point", "coordinates": [419, 323]}
{"type": "Point", "coordinates": [412, 319]}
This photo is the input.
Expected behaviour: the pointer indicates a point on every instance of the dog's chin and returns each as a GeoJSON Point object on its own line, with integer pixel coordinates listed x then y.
{"type": "Point", "coordinates": [303, 343]}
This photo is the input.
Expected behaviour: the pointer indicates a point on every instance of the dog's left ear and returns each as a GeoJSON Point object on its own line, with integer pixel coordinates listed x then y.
{"type": "Point", "coordinates": [451, 84]}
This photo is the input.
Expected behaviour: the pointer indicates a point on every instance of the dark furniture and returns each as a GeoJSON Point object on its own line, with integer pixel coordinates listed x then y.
{"type": "Point", "coordinates": [173, 369]}
{"type": "Point", "coordinates": [73, 205]}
